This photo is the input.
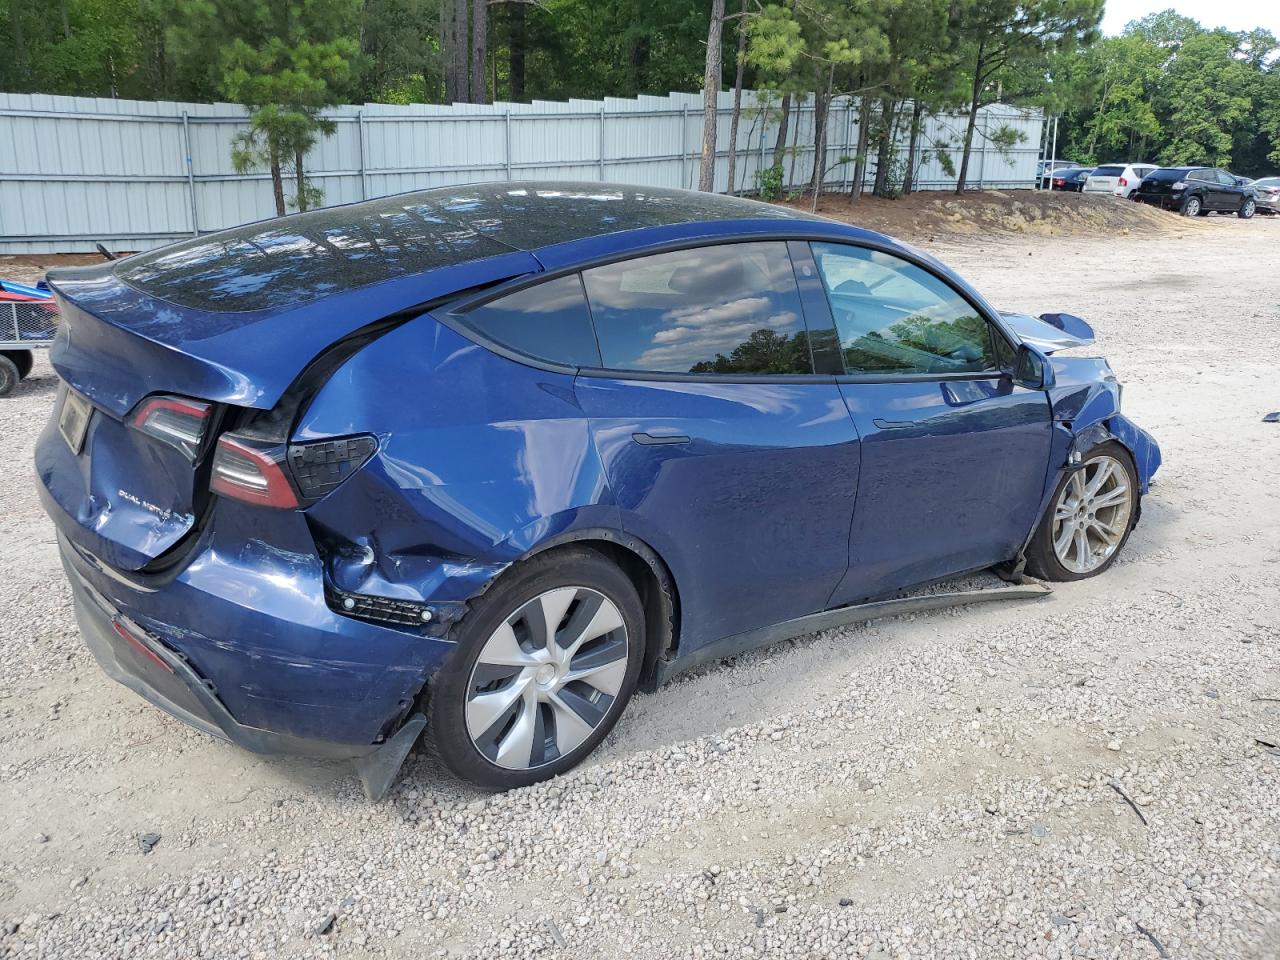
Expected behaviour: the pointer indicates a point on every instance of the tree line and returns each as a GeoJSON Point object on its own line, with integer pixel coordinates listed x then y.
{"type": "Point", "coordinates": [1166, 89]}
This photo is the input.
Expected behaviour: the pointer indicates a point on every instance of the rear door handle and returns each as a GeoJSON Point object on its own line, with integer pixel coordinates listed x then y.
{"type": "Point", "coordinates": [893, 424]}
{"type": "Point", "coordinates": [649, 438]}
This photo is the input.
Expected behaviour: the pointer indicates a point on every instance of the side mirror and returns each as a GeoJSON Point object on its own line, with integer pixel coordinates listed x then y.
{"type": "Point", "coordinates": [1032, 369]}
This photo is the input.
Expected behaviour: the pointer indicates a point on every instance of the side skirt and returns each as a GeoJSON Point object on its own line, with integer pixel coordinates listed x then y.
{"type": "Point", "coordinates": [842, 616]}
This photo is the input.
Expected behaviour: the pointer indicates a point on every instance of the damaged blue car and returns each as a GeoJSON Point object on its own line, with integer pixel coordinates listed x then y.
{"type": "Point", "coordinates": [474, 463]}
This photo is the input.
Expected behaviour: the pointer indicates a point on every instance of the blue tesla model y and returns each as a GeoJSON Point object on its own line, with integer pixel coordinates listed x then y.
{"type": "Point", "coordinates": [473, 463]}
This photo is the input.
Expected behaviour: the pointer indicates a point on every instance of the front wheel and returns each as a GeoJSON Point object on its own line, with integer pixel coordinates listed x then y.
{"type": "Point", "coordinates": [546, 661]}
{"type": "Point", "coordinates": [1247, 209]}
{"type": "Point", "coordinates": [1089, 518]}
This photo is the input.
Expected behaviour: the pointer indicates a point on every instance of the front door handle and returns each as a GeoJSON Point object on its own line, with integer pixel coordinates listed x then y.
{"type": "Point", "coordinates": [894, 424]}
{"type": "Point", "coordinates": [649, 438]}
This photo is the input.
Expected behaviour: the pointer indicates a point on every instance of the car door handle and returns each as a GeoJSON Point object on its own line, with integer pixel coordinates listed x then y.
{"type": "Point", "coordinates": [893, 424]}
{"type": "Point", "coordinates": [649, 438]}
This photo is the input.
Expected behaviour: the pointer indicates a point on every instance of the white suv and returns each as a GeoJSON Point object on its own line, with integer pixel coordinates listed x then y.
{"type": "Point", "coordinates": [1118, 179]}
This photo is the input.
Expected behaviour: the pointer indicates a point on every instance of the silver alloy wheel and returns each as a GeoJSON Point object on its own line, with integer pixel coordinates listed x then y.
{"type": "Point", "coordinates": [1092, 514]}
{"type": "Point", "coordinates": [1193, 207]}
{"type": "Point", "coordinates": [546, 678]}
{"type": "Point", "coordinates": [1249, 207]}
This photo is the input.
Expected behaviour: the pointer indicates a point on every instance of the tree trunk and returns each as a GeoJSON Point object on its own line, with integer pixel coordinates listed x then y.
{"type": "Point", "coordinates": [974, 106]}
{"type": "Point", "coordinates": [515, 50]}
{"type": "Point", "coordinates": [737, 95]}
{"type": "Point", "coordinates": [884, 151]}
{"type": "Point", "coordinates": [795, 142]}
{"type": "Point", "coordinates": [301, 180]}
{"type": "Point", "coordinates": [860, 158]}
{"type": "Point", "coordinates": [277, 185]}
{"type": "Point", "coordinates": [909, 175]}
{"type": "Point", "coordinates": [19, 41]}
{"type": "Point", "coordinates": [446, 51]}
{"type": "Point", "coordinates": [66, 19]}
{"type": "Point", "coordinates": [780, 145]}
{"type": "Point", "coordinates": [821, 107]}
{"type": "Point", "coordinates": [461, 86]}
{"type": "Point", "coordinates": [479, 38]}
{"type": "Point", "coordinates": [711, 98]}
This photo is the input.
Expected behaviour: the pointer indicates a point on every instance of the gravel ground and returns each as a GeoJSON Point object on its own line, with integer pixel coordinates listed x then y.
{"type": "Point", "coordinates": [1080, 776]}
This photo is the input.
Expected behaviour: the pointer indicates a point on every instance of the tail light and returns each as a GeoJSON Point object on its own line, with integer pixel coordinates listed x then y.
{"type": "Point", "coordinates": [250, 472]}
{"type": "Point", "coordinates": [1124, 182]}
{"type": "Point", "coordinates": [177, 421]}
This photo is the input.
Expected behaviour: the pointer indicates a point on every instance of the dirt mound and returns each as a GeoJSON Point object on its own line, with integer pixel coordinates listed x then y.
{"type": "Point", "coordinates": [926, 216]}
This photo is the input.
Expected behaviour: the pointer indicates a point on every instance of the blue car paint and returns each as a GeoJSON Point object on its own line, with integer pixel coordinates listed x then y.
{"type": "Point", "coordinates": [247, 359]}
{"type": "Point", "coordinates": [984, 442]}
{"type": "Point", "coordinates": [790, 445]}
{"type": "Point", "coordinates": [514, 456]}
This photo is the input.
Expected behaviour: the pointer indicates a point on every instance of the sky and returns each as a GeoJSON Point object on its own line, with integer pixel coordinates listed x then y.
{"type": "Point", "coordinates": [1232, 14]}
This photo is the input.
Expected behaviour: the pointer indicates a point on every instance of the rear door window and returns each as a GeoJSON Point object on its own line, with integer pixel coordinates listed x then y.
{"type": "Point", "coordinates": [549, 321]}
{"type": "Point", "coordinates": [728, 309]}
{"type": "Point", "coordinates": [896, 318]}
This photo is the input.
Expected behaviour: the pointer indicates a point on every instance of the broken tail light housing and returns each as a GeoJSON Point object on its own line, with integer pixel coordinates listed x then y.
{"type": "Point", "coordinates": [320, 465]}
{"type": "Point", "coordinates": [251, 472]}
{"type": "Point", "coordinates": [177, 421]}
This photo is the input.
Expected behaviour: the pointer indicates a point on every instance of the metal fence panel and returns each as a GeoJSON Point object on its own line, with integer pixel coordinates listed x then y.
{"type": "Point", "coordinates": [135, 174]}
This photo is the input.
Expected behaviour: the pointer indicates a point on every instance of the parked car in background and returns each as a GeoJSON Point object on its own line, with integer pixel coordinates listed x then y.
{"type": "Point", "coordinates": [1240, 181]}
{"type": "Point", "coordinates": [1118, 179]}
{"type": "Point", "coordinates": [1046, 168]}
{"type": "Point", "coordinates": [1072, 179]}
{"type": "Point", "coordinates": [1267, 194]}
{"type": "Point", "coordinates": [478, 460]}
{"type": "Point", "coordinates": [1197, 192]}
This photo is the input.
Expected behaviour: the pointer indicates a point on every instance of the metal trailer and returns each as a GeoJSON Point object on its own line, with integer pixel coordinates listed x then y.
{"type": "Point", "coordinates": [28, 322]}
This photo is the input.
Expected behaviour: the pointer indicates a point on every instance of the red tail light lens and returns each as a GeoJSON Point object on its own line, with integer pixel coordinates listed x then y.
{"type": "Point", "coordinates": [1124, 182]}
{"type": "Point", "coordinates": [176, 421]}
{"type": "Point", "coordinates": [251, 473]}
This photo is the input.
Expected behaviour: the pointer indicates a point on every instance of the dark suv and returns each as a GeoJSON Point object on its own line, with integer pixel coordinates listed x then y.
{"type": "Point", "coordinates": [1197, 192]}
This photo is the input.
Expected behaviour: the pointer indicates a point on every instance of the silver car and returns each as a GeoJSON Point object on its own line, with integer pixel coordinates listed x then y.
{"type": "Point", "coordinates": [1267, 192]}
{"type": "Point", "coordinates": [1118, 179]}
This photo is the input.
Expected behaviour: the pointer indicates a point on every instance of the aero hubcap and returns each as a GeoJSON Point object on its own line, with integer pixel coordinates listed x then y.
{"type": "Point", "coordinates": [546, 678]}
{"type": "Point", "coordinates": [1092, 515]}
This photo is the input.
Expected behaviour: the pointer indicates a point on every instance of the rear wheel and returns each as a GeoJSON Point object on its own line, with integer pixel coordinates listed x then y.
{"type": "Point", "coordinates": [1192, 207]}
{"type": "Point", "coordinates": [1089, 518]}
{"type": "Point", "coordinates": [9, 375]}
{"type": "Point", "coordinates": [1247, 209]}
{"type": "Point", "coordinates": [547, 660]}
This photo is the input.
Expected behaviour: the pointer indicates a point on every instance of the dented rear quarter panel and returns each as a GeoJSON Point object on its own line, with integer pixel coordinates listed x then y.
{"type": "Point", "coordinates": [465, 480]}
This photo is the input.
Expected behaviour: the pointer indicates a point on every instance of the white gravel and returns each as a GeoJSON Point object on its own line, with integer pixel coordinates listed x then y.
{"type": "Point", "coordinates": [950, 785]}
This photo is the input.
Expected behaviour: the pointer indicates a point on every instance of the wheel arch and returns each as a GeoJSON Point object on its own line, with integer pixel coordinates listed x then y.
{"type": "Point", "coordinates": [652, 579]}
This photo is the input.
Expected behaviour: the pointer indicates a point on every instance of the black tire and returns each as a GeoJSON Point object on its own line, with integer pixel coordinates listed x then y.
{"type": "Point", "coordinates": [24, 360]}
{"type": "Point", "coordinates": [1247, 209]}
{"type": "Point", "coordinates": [447, 695]}
{"type": "Point", "coordinates": [9, 375]}
{"type": "Point", "coordinates": [1042, 560]}
{"type": "Point", "coordinates": [1193, 207]}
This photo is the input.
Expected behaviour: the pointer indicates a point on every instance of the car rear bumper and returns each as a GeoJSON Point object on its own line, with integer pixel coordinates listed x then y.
{"type": "Point", "coordinates": [263, 678]}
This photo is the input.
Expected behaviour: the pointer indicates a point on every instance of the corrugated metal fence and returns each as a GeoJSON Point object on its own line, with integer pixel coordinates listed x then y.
{"type": "Point", "coordinates": [136, 174]}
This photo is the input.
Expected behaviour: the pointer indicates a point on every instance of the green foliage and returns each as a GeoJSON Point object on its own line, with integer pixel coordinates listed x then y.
{"type": "Point", "coordinates": [1170, 91]}
{"type": "Point", "coordinates": [769, 182]}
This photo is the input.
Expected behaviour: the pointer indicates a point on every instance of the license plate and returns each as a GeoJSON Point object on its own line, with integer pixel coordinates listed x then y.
{"type": "Point", "coordinates": [73, 422]}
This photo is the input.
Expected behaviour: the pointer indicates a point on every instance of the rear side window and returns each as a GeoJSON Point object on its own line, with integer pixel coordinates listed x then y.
{"type": "Point", "coordinates": [729, 309]}
{"type": "Point", "coordinates": [549, 321]}
{"type": "Point", "coordinates": [895, 318]}
{"type": "Point", "coordinates": [1108, 171]}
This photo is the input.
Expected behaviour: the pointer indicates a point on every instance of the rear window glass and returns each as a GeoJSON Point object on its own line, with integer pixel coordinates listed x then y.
{"type": "Point", "coordinates": [730, 309]}
{"type": "Point", "coordinates": [296, 259]}
{"type": "Point", "coordinates": [549, 321]}
{"type": "Point", "coordinates": [1108, 171]}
